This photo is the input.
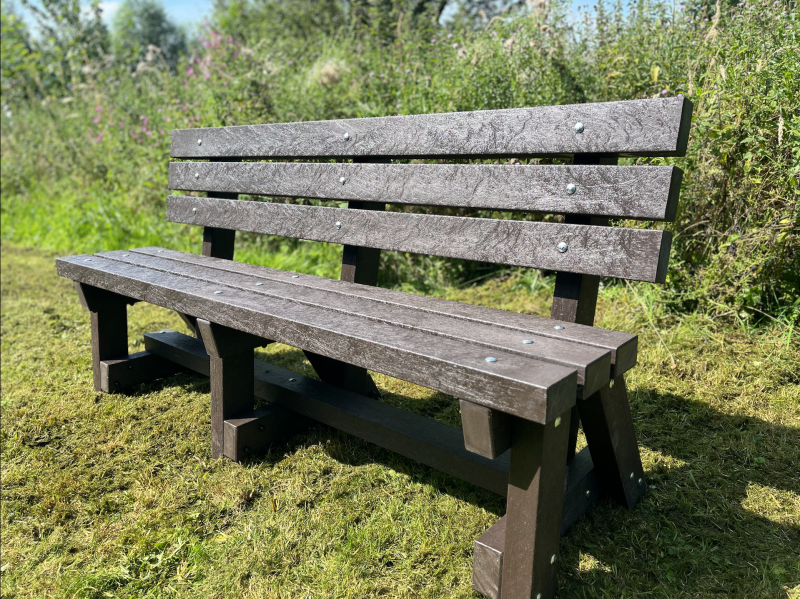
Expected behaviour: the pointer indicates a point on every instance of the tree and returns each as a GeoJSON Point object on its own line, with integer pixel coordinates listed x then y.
{"type": "Point", "coordinates": [141, 24]}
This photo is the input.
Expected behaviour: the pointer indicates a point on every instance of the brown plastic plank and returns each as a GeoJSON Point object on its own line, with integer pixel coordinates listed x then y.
{"type": "Point", "coordinates": [521, 386]}
{"type": "Point", "coordinates": [653, 127]}
{"type": "Point", "coordinates": [486, 432]}
{"type": "Point", "coordinates": [417, 437]}
{"type": "Point", "coordinates": [534, 508]}
{"type": "Point", "coordinates": [638, 192]}
{"type": "Point", "coordinates": [623, 346]}
{"type": "Point", "coordinates": [592, 363]}
{"type": "Point", "coordinates": [580, 494]}
{"type": "Point", "coordinates": [605, 251]}
{"type": "Point", "coordinates": [254, 433]}
{"type": "Point", "coordinates": [135, 369]}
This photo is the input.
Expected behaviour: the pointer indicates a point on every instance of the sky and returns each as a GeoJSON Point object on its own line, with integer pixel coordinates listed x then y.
{"type": "Point", "coordinates": [182, 12]}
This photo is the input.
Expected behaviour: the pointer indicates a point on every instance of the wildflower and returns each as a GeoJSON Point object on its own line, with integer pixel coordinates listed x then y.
{"type": "Point", "coordinates": [408, 70]}
{"type": "Point", "coordinates": [161, 131]}
{"type": "Point", "coordinates": [383, 76]}
{"type": "Point", "coordinates": [372, 73]}
{"type": "Point", "coordinates": [455, 46]}
{"type": "Point", "coordinates": [433, 40]}
{"type": "Point", "coordinates": [100, 108]}
{"type": "Point", "coordinates": [398, 104]}
{"type": "Point", "coordinates": [236, 55]}
{"type": "Point", "coordinates": [144, 128]}
{"type": "Point", "coordinates": [663, 92]}
{"type": "Point", "coordinates": [96, 120]}
{"type": "Point", "coordinates": [166, 119]}
{"type": "Point", "coordinates": [207, 74]}
{"type": "Point", "coordinates": [644, 95]}
{"type": "Point", "coordinates": [189, 71]}
{"type": "Point", "coordinates": [449, 36]}
{"type": "Point", "coordinates": [230, 40]}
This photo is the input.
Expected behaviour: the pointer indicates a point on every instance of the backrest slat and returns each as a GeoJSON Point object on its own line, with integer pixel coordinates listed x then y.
{"type": "Point", "coordinates": [637, 254]}
{"type": "Point", "coordinates": [655, 127]}
{"type": "Point", "coordinates": [637, 192]}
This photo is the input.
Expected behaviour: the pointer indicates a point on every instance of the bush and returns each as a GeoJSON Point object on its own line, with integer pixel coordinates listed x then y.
{"type": "Point", "coordinates": [735, 250]}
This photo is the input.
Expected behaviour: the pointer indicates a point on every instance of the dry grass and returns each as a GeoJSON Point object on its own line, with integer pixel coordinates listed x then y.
{"type": "Point", "coordinates": [117, 495]}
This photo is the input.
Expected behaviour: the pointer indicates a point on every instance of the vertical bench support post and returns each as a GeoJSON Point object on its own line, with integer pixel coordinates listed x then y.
{"type": "Point", "coordinates": [232, 372]}
{"type": "Point", "coordinates": [109, 321]}
{"type": "Point", "coordinates": [533, 516]}
{"type": "Point", "coordinates": [605, 415]}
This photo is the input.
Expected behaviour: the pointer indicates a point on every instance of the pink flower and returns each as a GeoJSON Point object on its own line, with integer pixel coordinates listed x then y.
{"type": "Point", "coordinates": [372, 73]}
{"type": "Point", "coordinates": [99, 138]}
{"type": "Point", "coordinates": [207, 74]}
{"type": "Point", "coordinates": [189, 71]}
{"type": "Point", "coordinates": [663, 92]}
{"type": "Point", "coordinates": [166, 119]}
{"type": "Point", "coordinates": [455, 46]}
{"type": "Point", "coordinates": [144, 120]}
{"type": "Point", "coordinates": [185, 107]}
{"type": "Point", "coordinates": [96, 120]}
{"type": "Point", "coordinates": [99, 108]}
{"type": "Point", "coordinates": [144, 128]}
{"type": "Point", "coordinates": [230, 40]}
{"type": "Point", "coordinates": [236, 55]}
{"type": "Point", "coordinates": [161, 131]}
{"type": "Point", "coordinates": [149, 133]}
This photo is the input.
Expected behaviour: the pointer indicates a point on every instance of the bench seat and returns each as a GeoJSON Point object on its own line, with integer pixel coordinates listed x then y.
{"type": "Point", "coordinates": [539, 366]}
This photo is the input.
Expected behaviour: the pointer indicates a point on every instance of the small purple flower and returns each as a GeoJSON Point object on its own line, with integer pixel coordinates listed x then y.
{"type": "Point", "coordinates": [383, 76]}
{"type": "Point", "coordinates": [161, 131]}
{"type": "Point", "coordinates": [166, 119]}
{"type": "Point", "coordinates": [236, 55]}
{"type": "Point", "coordinates": [408, 70]}
{"type": "Point", "coordinates": [398, 104]}
{"type": "Point", "coordinates": [372, 73]}
{"type": "Point", "coordinates": [663, 92]}
{"type": "Point", "coordinates": [230, 40]}
{"type": "Point", "coordinates": [189, 71]}
{"type": "Point", "coordinates": [100, 108]}
{"type": "Point", "coordinates": [644, 95]}
{"type": "Point", "coordinates": [144, 121]}
{"type": "Point", "coordinates": [96, 120]}
{"type": "Point", "coordinates": [455, 46]}
{"type": "Point", "coordinates": [449, 36]}
{"type": "Point", "coordinates": [207, 74]}
{"type": "Point", "coordinates": [433, 40]}
{"type": "Point", "coordinates": [99, 138]}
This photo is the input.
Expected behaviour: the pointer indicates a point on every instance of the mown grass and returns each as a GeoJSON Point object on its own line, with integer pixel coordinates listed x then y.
{"type": "Point", "coordinates": [117, 495]}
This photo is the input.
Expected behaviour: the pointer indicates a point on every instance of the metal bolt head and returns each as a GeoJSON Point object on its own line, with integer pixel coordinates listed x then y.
{"type": "Point", "coordinates": [611, 384]}
{"type": "Point", "coordinates": [346, 136]}
{"type": "Point", "coordinates": [588, 493]}
{"type": "Point", "coordinates": [199, 142]}
{"type": "Point", "coordinates": [116, 383]}
{"type": "Point", "coordinates": [88, 260]}
{"type": "Point", "coordinates": [538, 596]}
{"type": "Point", "coordinates": [342, 180]}
{"type": "Point", "coordinates": [558, 421]}
{"type": "Point", "coordinates": [246, 449]}
{"type": "Point", "coordinates": [558, 327]}
{"type": "Point", "coordinates": [553, 559]}
{"type": "Point", "coordinates": [527, 341]}
{"type": "Point", "coordinates": [338, 225]}
{"type": "Point", "coordinates": [631, 475]}
{"type": "Point", "coordinates": [130, 367]}
{"type": "Point", "coordinates": [259, 284]}
{"type": "Point", "coordinates": [295, 276]}
{"type": "Point", "coordinates": [562, 247]}
{"type": "Point", "coordinates": [292, 380]}
{"type": "Point", "coordinates": [124, 255]}
{"type": "Point", "coordinates": [217, 292]}
{"type": "Point", "coordinates": [197, 175]}
{"type": "Point", "coordinates": [194, 209]}
{"type": "Point", "coordinates": [578, 128]}
{"type": "Point", "coordinates": [261, 427]}
{"type": "Point", "coordinates": [571, 188]}
{"type": "Point", "coordinates": [640, 481]}
{"type": "Point", "coordinates": [490, 359]}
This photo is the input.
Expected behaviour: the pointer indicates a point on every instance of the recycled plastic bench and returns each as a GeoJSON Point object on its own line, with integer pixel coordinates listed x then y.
{"type": "Point", "coordinates": [523, 382]}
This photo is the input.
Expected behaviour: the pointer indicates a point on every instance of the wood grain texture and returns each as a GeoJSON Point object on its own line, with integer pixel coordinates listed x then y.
{"type": "Point", "coordinates": [592, 363]}
{"type": "Point", "coordinates": [623, 346]}
{"type": "Point", "coordinates": [655, 127]}
{"type": "Point", "coordinates": [643, 192]}
{"type": "Point", "coordinates": [414, 436]}
{"type": "Point", "coordinates": [606, 251]}
{"type": "Point", "coordinates": [521, 386]}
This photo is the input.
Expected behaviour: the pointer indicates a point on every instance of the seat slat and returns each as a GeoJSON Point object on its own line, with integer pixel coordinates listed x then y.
{"type": "Point", "coordinates": [623, 346]}
{"type": "Point", "coordinates": [636, 254]}
{"type": "Point", "coordinates": [593, 364]}
{"type": "Point", "coordinates": [643, 192]}
{"type": "Point", "coordinates": [654, 127]}
{"type": "Point", "coordinates": [524, 387]}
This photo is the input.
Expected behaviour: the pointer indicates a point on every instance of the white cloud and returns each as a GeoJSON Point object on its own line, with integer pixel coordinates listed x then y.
{"type": "Point", "coordinates": [109, 7]}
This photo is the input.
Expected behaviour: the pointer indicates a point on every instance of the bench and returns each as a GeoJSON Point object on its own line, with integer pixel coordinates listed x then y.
{"type": "Point", "coordinates": [524, 383]}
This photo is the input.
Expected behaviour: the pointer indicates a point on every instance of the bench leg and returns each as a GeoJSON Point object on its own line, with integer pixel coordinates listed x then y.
{"type": "Point", "coordinates": [232, 372]}
{"type": "Point", "coordinates": [608, 426]}
{"type": "Point", "coordinates": [109, 321]}
{"type": "Point", "coordinates": [533, 515]}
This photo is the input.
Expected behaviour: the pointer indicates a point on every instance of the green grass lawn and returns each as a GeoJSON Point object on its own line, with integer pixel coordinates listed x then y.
{"type": "Point", "coordinates": [117, 495]}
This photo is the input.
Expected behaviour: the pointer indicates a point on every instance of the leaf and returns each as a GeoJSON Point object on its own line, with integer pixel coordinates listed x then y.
{"type": "Point", "coordinates": [654, 71]}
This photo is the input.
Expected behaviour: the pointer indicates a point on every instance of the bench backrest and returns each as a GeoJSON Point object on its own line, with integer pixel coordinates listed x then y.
{"type": "Point", "coordinates": [588, 192]}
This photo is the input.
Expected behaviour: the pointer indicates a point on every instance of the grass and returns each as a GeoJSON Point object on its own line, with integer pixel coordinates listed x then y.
{"type": "Point", "coordinates": [117, 495]}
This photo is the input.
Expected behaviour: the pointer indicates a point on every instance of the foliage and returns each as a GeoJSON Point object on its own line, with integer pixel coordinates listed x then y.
{"type": "Point", "coordinates": [142, 27]}
{"type": "Point", "coordinates": [735, 250]}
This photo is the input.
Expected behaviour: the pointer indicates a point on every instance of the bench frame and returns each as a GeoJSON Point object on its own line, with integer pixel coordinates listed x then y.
{"type": "Point", "coordinates": [509, 561]}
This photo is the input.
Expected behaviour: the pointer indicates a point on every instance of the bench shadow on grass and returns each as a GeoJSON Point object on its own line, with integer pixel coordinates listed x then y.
{"type": "Point", "coordinates": [692, 520]}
